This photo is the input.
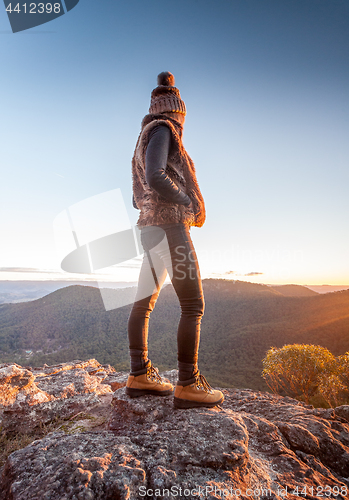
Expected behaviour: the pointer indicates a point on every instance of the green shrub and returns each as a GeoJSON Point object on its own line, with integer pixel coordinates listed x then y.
{"type": "Point", "coordinates": [300, 371]}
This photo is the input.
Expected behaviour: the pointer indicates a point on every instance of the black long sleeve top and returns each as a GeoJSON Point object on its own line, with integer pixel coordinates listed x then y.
{"type": "Point", "coordinates": [155, 167]}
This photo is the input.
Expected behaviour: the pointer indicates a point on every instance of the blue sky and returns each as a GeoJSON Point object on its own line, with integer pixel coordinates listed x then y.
{"type": "Point", "coordinates": [265, 83]}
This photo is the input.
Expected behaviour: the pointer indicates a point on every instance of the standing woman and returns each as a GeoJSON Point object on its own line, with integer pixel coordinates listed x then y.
{"type": "Point", "coordinates": [166, 192]}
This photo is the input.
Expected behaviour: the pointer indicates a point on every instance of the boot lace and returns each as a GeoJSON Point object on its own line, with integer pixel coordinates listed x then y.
{"type": "Point", "coordinates": [202, 384]}
{"type": "Point", "coordinates": [153, 374]}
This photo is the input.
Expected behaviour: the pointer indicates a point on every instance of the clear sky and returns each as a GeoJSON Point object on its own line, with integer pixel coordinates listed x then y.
{"type": "Point", "coordinates": [266, 85]}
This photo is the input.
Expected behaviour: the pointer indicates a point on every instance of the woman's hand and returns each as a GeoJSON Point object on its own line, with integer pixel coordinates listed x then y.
{"type": "Point", "coordinates": [190, 206]}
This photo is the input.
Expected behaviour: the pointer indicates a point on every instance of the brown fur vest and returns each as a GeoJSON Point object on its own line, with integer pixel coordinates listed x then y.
{"type": "Point", "coordinates": [154, 208]}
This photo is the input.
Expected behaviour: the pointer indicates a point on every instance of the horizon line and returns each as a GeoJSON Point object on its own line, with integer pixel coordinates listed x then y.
{"type": "Point", "coordinates": [101, 280]}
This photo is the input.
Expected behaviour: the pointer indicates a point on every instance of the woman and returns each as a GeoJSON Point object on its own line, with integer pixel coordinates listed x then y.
{"type": "Point", "coordinates": [166, 192]}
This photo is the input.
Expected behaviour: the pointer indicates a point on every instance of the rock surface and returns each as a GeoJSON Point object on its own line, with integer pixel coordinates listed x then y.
{"type": "Point", "coordinates": [30, 398]}
{"type": "Point", "coordinates": [255, 446]}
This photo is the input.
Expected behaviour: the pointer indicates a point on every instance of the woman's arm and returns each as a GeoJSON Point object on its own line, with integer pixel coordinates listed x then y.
{"type": "Point", "coordinates": [155, 165]}
{"type": "Point", "coordinates": [134, 202]}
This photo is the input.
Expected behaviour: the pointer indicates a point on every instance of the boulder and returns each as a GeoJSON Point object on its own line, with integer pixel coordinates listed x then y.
{"type": "Point", "coordinates": [32, 399]}
{"type": "Point", "coordinates": [83, 466]}
{"type": "Point", "coordinates": [254, 446]}
{"type": "Point", "coordinates": [17, 385]}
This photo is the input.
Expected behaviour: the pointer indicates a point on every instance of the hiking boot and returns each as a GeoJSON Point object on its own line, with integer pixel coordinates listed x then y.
{"type": "Point", "coordinates": [196, 393]}
{"type": "Point", "coordinates": [148, 381]}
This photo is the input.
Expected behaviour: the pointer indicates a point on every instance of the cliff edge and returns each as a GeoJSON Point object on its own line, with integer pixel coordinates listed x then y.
{"type": "Point", "coordinates": [104, 445]}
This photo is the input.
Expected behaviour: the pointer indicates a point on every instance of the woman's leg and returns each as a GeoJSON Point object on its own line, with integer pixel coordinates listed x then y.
{"type": "Point", "coordinates": [192, 389]}
{"type": "Point", "coordinates": [147, 294]}
{"type": "Point", "coordinates": [186, 281]}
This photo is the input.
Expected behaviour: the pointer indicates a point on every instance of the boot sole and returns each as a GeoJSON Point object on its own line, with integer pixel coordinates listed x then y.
{"type": "Point", "coordinates": [186, 403]}
{"type": "Point", "coordinates": [135, 393]}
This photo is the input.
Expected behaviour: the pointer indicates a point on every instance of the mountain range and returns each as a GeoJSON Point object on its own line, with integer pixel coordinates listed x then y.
{"type": "Point", "coordinates": [14, 291]}
{"type": "Point", "coordinates": [242, 321]}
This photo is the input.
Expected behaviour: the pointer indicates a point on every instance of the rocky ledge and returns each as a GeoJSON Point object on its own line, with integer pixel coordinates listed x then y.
{"type": "Point", "coordinates": [107, 446]}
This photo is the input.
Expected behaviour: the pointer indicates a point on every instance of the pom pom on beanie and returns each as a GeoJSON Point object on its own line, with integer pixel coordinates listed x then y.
{"type": "Point", "coordinates": [166, 78]}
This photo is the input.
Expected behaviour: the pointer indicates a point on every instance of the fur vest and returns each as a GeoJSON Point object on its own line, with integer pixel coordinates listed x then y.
{"type": "Point", "coordinates": [155, 209]}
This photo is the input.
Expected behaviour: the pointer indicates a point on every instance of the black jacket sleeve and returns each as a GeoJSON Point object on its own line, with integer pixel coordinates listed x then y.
{"type": "Point", "coordinates": [155, 166]}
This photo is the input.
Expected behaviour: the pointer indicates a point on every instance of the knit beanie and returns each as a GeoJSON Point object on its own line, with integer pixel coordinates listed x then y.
{"type": "Point", "coordinates": [165, 98]}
